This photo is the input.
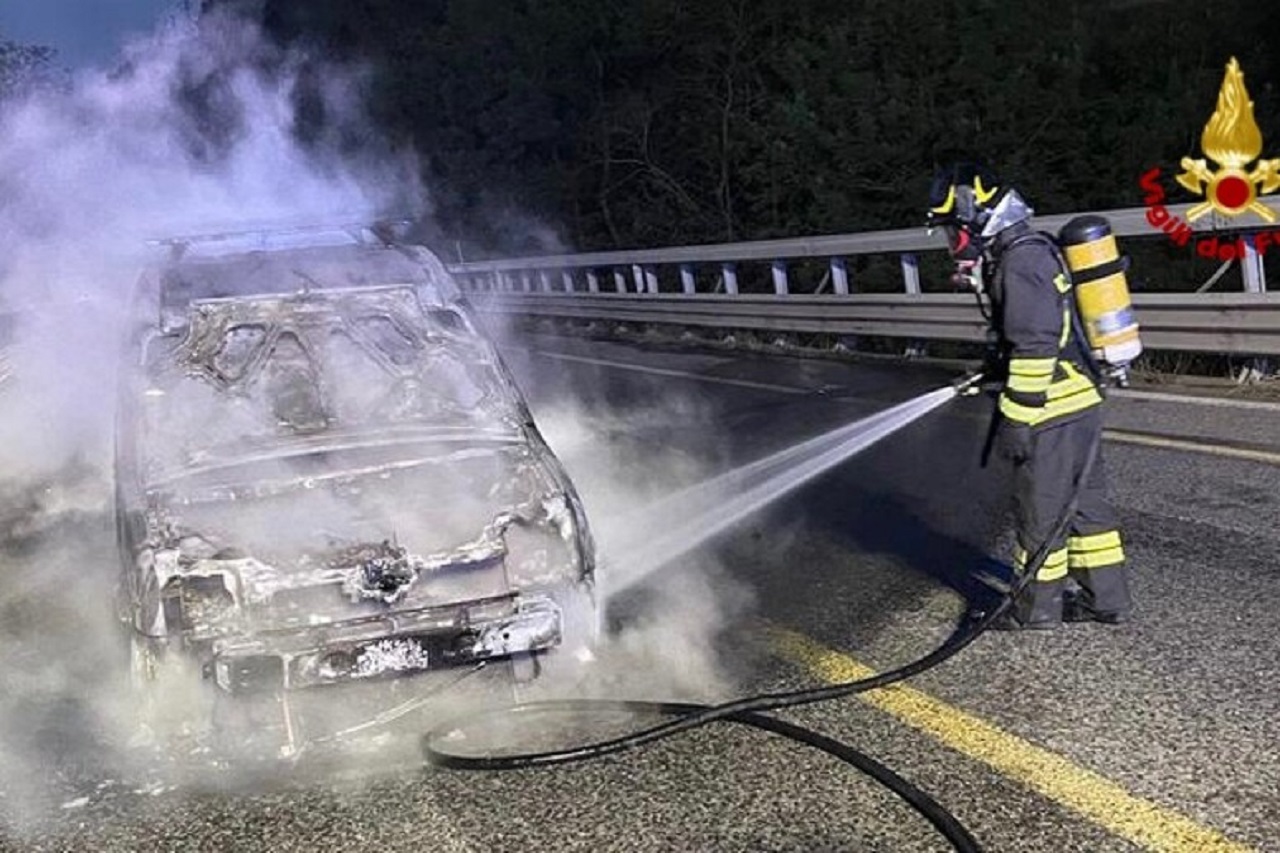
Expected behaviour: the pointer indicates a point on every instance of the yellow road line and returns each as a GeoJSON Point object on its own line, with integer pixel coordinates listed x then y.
{"type": "Point", "coordinates": [1150, 826]}
{"type": "Point", "coordinates": [1266, 456]}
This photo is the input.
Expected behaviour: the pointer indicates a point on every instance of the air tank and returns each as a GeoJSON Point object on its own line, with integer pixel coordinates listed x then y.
{"type": "Point", "coordinates": [1102, 292]}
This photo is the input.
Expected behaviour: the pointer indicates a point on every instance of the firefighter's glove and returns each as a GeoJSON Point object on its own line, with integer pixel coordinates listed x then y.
{"type": "Point", "coordinates": [966, 276]}
{"type": "Point", "coordinates": [1013, 441]}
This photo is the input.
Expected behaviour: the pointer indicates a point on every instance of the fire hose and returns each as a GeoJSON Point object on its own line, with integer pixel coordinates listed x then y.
{"type": "Point", "coordinates": [753, 710]}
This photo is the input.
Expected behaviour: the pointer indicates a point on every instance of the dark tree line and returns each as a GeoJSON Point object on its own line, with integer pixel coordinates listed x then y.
{"type": "Point", "coordinates": [629, 123]}
{"type": "Point", "coordinates": [23, 67]}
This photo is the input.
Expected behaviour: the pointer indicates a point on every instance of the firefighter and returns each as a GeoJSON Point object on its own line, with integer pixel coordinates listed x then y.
{"type": "Point", "coordinates": [1049, 404]}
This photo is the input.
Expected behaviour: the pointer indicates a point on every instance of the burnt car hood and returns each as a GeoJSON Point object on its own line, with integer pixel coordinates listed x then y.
{"type": "Point", "coordinates": [338, 534]}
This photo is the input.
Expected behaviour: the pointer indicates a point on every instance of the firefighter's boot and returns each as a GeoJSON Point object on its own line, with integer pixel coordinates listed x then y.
{"type": "Point", "coordinates": [1038, 608]}
{"type": "Point", "coordinates": [1077, 606]}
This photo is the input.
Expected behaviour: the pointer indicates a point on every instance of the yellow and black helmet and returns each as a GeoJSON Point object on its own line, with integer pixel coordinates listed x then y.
{"type": "Point", "coordinates": [963, 194]}
{"type": "Point", "coordinates": [972, 206]}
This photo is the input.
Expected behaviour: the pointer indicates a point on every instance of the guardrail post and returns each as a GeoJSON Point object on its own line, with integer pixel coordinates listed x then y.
{"type": "Point", "coordinates": [566, 278]}
{"type": "Point", "coordinates": [911, 273]}
{"type": "Point", "coordinates": [779, 277]}
{"type": "Point", "coordinates": [687, 282]}
{"type": "Point", "coordinates": [544, 281]}
{"type": "Point", "coordinates": [839, 277]}
{"type": "Point", "coordinates": [593, 281]}
{"type": "Point", "coordinates": [730, 273]}
{"type": "Point", "coordinates": [1254, 274]}
{"type": "Point", "coordinates": [526, 283]}
{"type": "Point", "coordinates": [651, 279]}
{"type": "Point", "coordinates": [619, 282]}
{"type": "Point", "coordinates": [911, 279]}
{"type": "Point", "coordinates": [637, 276]}
{"type": "Point", "coordinates": [1251, 268]}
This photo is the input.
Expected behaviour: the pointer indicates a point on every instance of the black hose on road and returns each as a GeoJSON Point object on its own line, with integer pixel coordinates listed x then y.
{"type": "Point", "coordinates": [752, 710]}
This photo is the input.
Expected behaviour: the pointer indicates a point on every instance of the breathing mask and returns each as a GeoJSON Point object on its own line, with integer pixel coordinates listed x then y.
{"type": "Point", "coordinates": [970, 205]}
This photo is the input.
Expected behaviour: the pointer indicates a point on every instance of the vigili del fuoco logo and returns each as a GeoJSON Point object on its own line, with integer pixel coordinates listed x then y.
{"type": "Point", "coordinates": [1230, 141]}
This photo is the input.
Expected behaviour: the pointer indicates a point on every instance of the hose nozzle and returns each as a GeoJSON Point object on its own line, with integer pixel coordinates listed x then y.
{"type": "Point", "coordinates": [967, 386]}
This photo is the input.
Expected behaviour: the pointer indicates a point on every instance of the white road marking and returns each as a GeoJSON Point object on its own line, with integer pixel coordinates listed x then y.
{"type": "Point", "coordinates": [1188, 399]}
{"type": "Point", "coordinates": [683, 374]}
{"type": "Point", "coordinates": [1122, 436]}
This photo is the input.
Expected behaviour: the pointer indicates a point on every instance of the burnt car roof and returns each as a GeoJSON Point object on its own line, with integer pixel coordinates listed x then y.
{"type": "Point", "coordinates": [398, 363]}
{"type": "Point", "coordinates": [396, 329]}
{"type": "Point", "coordinates": [323, 336]}
{"type": "Point", "coordinates": [209, 319]}
{"type": "Point", "coordinates": [290, 262]}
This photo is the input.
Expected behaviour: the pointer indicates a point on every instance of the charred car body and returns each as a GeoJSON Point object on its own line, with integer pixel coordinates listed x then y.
{"type": "Point", "coordinates": [326, 475]}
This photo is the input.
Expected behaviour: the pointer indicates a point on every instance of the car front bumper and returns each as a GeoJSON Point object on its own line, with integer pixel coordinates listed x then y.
{"type": "Point", "coordinates": [397, 645]}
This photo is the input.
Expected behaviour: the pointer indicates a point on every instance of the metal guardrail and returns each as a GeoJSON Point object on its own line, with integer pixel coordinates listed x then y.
{"type": "Point", "coordinates": [1125, 222]}
{"type": "Point", "coordinates": [570, 287]}
{"type": "Point", "coordinates": [1238, 323]}
{"type": "Point", "coordinates": [1131, 222]}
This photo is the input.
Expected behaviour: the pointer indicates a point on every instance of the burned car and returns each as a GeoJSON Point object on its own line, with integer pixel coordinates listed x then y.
{"type": "Point", "coordinates": [326, 475]}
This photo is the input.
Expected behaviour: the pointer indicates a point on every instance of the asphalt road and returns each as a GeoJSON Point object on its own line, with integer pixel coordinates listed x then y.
{"type": "Point", "coordinates": [1158, 735]}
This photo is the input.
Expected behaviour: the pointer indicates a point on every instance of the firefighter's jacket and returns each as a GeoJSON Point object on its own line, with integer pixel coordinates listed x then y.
{"type": "Point", "coordinates": [1048, 372]}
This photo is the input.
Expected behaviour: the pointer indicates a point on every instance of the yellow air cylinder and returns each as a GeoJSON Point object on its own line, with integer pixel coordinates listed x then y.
{"type": "Point", "coordinates": [1101, 291]}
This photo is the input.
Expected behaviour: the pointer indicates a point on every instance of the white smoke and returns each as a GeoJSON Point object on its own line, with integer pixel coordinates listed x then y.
{"type": "Point", "coordinates": [673, 609]}
{"type": "Point", "coordinates": [196, 130]}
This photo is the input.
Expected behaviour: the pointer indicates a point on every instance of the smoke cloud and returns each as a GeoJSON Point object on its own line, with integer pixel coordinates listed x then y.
{"type": "Point", "coordinates": [671, 609]}
{"type": "Point", "coordinates": [202, 130]}
{"type": "Point", "coordinates": [196, 130]}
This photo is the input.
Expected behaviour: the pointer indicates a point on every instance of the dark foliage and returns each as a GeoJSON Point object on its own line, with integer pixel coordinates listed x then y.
{"type": "Point", "coordinates": [23, 67]}
{"type": "Point", "coordinates": [633, 123]}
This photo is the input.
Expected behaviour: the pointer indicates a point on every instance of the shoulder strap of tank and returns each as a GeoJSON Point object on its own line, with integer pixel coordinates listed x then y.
{"type": "Point", "coordinates": [1077, 322]}
{"type": "Point", "coordinates": [1050, 241]}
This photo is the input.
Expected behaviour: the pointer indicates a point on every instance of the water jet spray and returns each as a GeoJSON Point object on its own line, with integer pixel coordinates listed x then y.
{"type": "Point", "coordinates": [690, 517]}
{"type": "Point", "coordinates": [813, 457]}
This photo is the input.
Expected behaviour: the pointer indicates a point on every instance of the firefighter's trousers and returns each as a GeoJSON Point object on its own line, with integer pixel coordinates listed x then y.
{"type": "Point", "coordinates": [1089, 550]}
